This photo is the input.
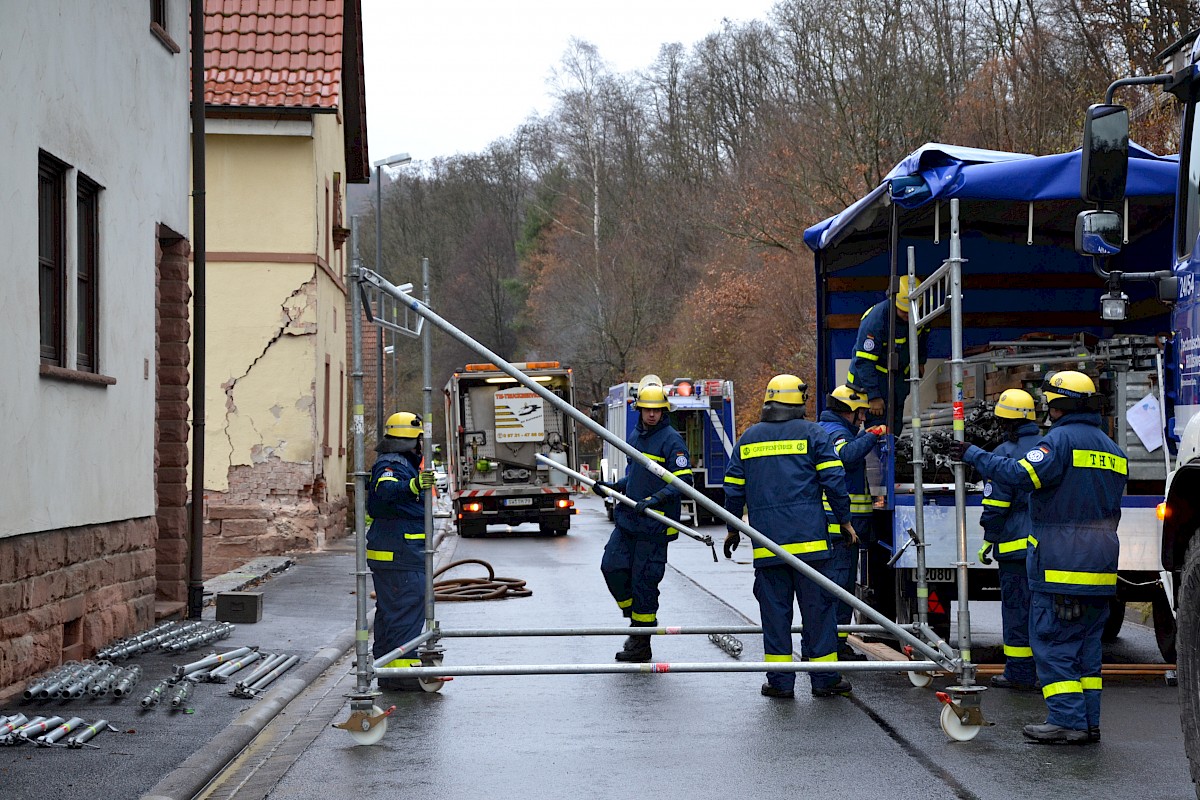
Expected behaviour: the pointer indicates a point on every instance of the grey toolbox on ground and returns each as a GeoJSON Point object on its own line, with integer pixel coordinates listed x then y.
{"type": "Point", "coordinates": [239, 606]}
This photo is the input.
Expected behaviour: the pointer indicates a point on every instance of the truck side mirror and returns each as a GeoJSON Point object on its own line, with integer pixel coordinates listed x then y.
{"type": "Point", "coordinates": [1098, 233]}
{"type": "Point", "coordinates": [1168, 289]}
{"type": "Point", "coordinates": [1105, 154]}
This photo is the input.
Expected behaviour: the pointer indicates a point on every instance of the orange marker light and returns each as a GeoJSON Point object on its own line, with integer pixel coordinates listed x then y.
{"type": "Point", "coordinates": [1161, 510]}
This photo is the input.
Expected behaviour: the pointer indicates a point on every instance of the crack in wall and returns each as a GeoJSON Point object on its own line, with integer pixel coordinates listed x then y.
{"type": "Point", "coordinates": [293, 325]}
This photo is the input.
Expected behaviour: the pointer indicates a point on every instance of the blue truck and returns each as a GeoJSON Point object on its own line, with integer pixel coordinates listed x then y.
{"type": "Point", "coordinates": [703, 413]}
{"type": "Point", "coordinates": [1030, 304]}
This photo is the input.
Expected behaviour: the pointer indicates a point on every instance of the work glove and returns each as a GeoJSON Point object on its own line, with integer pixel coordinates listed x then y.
{"type": "Point", "coordinates": [849, 532]}
{"type": "Point", "coordinates": [876, 407]}
{"type": "Point", "coordinates": [985, 553]}
{"type": "Point", "coordinates": [1067, 608]}
{"type": "Point", "coordinates": [645, 503]}
{"type": "Point", "coordinates": [424, 480]}
{"type": "Point", "coordinates": [598, 491]}
{"type": "Point", "coordinates": [732, 539]}
{"type": "Point", "coordinates": [957, 450]}
{"type": "Point", "coordinates": [878, 430]}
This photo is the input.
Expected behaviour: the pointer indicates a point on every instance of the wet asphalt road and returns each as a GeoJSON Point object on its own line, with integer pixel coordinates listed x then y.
{"type": "Point", "coordinates": [688, 735]}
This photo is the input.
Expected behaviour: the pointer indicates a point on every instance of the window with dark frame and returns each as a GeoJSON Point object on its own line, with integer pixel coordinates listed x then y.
{"type": "Point", "coordinates": [158, 13]}
{"type": "Point", "coordinates": [341, 409]}
{"type": "Point", "coordinates": [325, 437]}
{"type": "Point", "coordinates": [87, 295]}
{"type": "Point", "coordinates": [52, 267]}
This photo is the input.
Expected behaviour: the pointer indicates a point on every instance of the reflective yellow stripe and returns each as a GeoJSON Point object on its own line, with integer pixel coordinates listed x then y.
{"type": "Point", "coordinates": [866, 355]}
{"type": "Point", "coordinates": [385, 479]}
{"type": "Point", "coordinates": [1013, 546]}
{"type": "Point", "coordinates": [1032, 540]}
{"type": "Point", "coordinates": [843, 635]}
{"type": "Point", "coordinates": [828, 464]}
{"type": "Point", "coordinates": [637, 617]}
{"type": "Point", "coordinates": [625, 603]}
{"type": "Point", "coordinates": [902, 340]}
{"type": "Point", "coordinates": [414, 536]}
{"type": "Point", "coordinates": [855, 507]}
{"type": "Point", "coordinates": [835, 528]}
{"type": "Point", "coordinates": [379, 555]}
{"type": "Point", "coordinates": [795, 548]}
{"type": "Point", "coordinates": [1092, 684]}
{"type": "Point", "coordinates": [783, 447]}
{"type": "Point", "coordinates": [403, 662]}
{"type": "Point", "coordinates": [682, 472]}
{"type": "Point", "coordinates": [1081, 578]}
{"type": "Point", "coordinates": [997, 503]}
{"type": "Point", "coordinates": [776, 659]}
{"type": "Point", "coordinates": [653, 457]}
{"type": "Point", "coordinates": [837, 448]}
{"type": "Point", "coordinates": [1018, 652]}
{"type": "Point", "coordinates": [831, 657]}
{"type": "Point", "coordinates": [1095, 459]}
{"type": "Point", "coordinates": [881, 369]}
{"type": "Point", "coordinates": [735, 481]}
{"type": "Point", "coordinates": [849, 377]}
{"type": "Point", "coordinates": [672, 532]}
{"type": "Point", "coordinates": [1062, 687]}
{"type": "Point", "coordinates": [1033, 476]}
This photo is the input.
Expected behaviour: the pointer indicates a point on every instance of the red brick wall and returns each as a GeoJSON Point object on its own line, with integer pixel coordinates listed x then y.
{"type": "Point", "coordinates": [96, 579]}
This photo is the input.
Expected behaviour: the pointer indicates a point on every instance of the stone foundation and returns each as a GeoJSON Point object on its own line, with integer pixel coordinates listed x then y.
{"type": "Point", "coordinates": [64, 594]}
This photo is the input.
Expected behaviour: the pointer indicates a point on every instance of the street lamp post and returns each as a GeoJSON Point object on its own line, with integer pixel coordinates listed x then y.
{"type": "Point", "coordinates": [391, 161]}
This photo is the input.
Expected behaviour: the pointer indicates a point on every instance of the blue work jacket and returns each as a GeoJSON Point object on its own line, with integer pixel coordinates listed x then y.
{"type": "Point", "coordinates": [663, 445]}
{"type": "Point", "coordinates": [869, 365]}
{"type": "Point", "coordinates": [852, 447]}
{"type": "Point", "coordinates": [1006, 521]}
{"type": "Point", "coordinates": [1076, 476]}
{"type": "Point", "coordinates": [396, 539]}
{"type": "Point", "coordinates": [779, 471]}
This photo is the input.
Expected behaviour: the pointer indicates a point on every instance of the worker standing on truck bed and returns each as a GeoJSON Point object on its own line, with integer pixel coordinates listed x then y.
{"type": "Point", "coordinates": [1006, 529]}
{"type": "Point", "coordinates": [780, 468]}
{"type": "Point", "coordinates": [1076, 476]}
{"type": "Point", "coordinates": [396, 541]}
{"type": "Point", "coordinates": [845, 411]}
{"type": "Point", "coordinates": [869, 373]}
{"type": "Point", "coordinates": [635, 558]}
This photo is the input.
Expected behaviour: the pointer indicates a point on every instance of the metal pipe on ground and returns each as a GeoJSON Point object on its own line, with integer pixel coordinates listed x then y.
{"type": "Point", "coordinates": [88, 733]}
{"type": "Point", "coordinates": [270, 662]}
{"type": "Point", "coordinates": [210, 661]}
{"type": "Point", "coordinates": [36, 729]}
{"type": "Point", "coordinates": [266, 680]}
{"type": "Point", "coordinates": [653, 668]}
{"type": "Point", "coordinates": [126, 682]}
{"type": "Point", "coordinates": [226, 671]}
{"type": "Point", "coordinates": [50, 737]}
{"type": "Point", "coordinates": [480, 633]}
{"type": "Point", "coordinates": [156, 693]}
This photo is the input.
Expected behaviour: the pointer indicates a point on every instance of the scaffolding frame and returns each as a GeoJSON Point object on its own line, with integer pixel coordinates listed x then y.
{"type": "Point", "coordinates": [928, 652]}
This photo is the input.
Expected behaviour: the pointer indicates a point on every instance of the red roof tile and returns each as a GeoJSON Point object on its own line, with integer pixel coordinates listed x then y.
{"type": "Point", "coordinates": [272, 53]}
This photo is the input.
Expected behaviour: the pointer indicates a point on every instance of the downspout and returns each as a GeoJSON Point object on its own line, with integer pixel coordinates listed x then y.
{"type": "Point", "coordinates": [195, 597]}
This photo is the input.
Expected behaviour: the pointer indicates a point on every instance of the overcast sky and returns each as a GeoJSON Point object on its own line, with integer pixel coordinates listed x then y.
{"type": "Point", "coordinates": [451, 76]}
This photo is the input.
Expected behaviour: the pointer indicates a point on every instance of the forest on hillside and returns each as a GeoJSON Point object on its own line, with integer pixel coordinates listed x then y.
{"type": "Point", "coordinates": [653, 220]}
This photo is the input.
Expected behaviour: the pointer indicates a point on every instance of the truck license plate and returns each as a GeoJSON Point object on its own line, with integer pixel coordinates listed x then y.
{"type": "Point", "coordinates": [519, 501]}
{"type": "Point", "coordinates": [936, 575]}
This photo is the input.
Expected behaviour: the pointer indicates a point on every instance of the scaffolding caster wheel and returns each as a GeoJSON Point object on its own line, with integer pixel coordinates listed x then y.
{"type": "Point", "coordinates": [962, 720]}
{"type": "Point", "coordinates": [920, 679]}
{"type": "Point", "coordinates": [366, 727]}
{"type": "Point", "coordinates": [432, 684]}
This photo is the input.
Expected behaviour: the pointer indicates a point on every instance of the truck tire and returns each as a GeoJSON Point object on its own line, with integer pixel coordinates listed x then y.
{"type": "Point", "coordinates": [1188, 651]}
{"type": "Point", "coordinates": [1164, 626]}
{"type": "Point", "coordinates": [468, 530]}
{"type": "Point", "coordinates": [554, 528]}
{"type": "Point", "coordinates": [608, 509]}
{"type": "Point", "coordinates": [1116, 619]}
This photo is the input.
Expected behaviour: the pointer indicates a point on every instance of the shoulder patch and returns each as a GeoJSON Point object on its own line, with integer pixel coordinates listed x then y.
{"type": "Point", "coordinates": [987, 489]}
{"type": "Point", "coordinates": [387, 472]}
{"type": "Point", "coordinates": [681, 460]}
{"type": "Point", "coordinates": [869, 344]}
{"type": "Point", "coordinates": [1035, 455]}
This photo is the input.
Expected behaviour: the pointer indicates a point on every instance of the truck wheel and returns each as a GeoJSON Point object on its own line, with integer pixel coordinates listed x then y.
{"type": "Point", "coordinates": [608, 509]}
{"type": "Point", "coordinates": [468, 530]}
{"type": "Point", "coordinates": [1189, 657]}
{"type": "Point", "coordinates": [1164, 626]}
{"type": "Point", "coordinates": [1116, 619]}
{"type": "Point", "coordinates": [554, 528]}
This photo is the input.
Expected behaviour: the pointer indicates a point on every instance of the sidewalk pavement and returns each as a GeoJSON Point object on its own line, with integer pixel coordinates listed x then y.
{"type": "Point", "coordinates": [308, 609]}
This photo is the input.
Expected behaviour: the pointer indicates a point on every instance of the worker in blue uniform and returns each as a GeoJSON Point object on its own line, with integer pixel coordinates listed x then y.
{"type": "Point", "coordinates": [396, 494]}
{"type": "Point", "coordinates": [779, 470]}
{"type": "Point", "coordinates": [1076, 476]}
{"type": "Point", "coordinates": [1006, 528]}
{"type": "Point", "coordinates": [635, 557]}
{"type": "Point", "coordinates": [869, 373]}
{"type": "Point", "coordinates": [843, 417]}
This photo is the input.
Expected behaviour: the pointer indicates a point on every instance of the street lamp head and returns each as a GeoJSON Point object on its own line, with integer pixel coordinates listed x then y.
{"type": "Point", "coordinates": [393, 161]}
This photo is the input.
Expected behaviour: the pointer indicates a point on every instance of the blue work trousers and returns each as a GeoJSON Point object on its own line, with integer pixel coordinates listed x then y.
{"type": "Point", "coordinates": [1068, 654]}
{"type": "Point", "coordinates": [777, 589]}
{"type": "Point", "coordinates": [843, 570]}
{"type": "Point", "coordinates": [1014, 614]}
{"type": "Point", "coordinates": [399, 610]}
{"type": "Point", "coordinates": [633, 568]}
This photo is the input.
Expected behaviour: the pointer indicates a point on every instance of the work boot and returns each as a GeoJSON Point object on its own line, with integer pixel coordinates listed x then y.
{"type": "Point", "coordinates": [1093, 733]}
{"type": "Point", "coordinates": [1001, 682]}
{"type": "Point", "coordinates": [842, 687]}
{"type": "Point", "coordinates": [1049, 733]}
{"type": "Point", "coordinates": [400, 685]}
{"type": "Point", "coordinates": [768, 690]}
{"type": "Point", "coordinates": [636, 650]}
{"type": "Point", "coordinates": [848, 653]}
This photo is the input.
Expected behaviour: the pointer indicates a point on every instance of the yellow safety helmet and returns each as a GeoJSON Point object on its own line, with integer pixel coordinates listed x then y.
{"type": "Point", "coordinates": [651, 395]}
{"type": "Point", "coordinates": [843, 399]}
{"type": "Point", "coordinates": [902, 301]}
{"type": "Point", "coordinates": [786, 389]}
{"type": "Point", "coordinates": [1015, 404]}
{"type": "Point", "coordinates": [403, 425]}
{"type": "Point", "coordinates": [1069, 390]}
{"type": "Point", "coordinates": [650, 379]}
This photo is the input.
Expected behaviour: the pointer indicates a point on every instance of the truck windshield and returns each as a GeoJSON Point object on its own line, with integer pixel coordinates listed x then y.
{"type": "Point", "coordinates": [1189, 190]}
